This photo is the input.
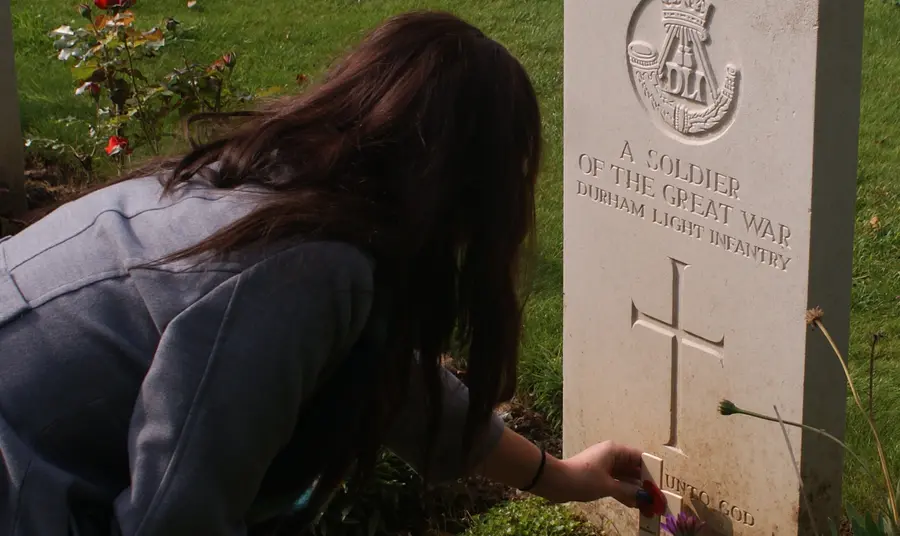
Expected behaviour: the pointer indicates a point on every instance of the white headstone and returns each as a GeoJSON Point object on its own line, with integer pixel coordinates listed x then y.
{"type": "Point", "coordinates": [710, 165]}
{"type": "Point", "coordinates": [11, 146]}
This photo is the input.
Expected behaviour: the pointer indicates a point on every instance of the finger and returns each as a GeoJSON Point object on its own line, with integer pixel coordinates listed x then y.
{"type": "Point", "coordinates": [625, 493]}
{"type": "Point", "coordinates": [632, 472]}
{"type": "Point", "coordinates": [627, 456]}
{"type": "Point", "coordinates": [630, 475]}
{"type": "Point", "coordinates": [627, 460]}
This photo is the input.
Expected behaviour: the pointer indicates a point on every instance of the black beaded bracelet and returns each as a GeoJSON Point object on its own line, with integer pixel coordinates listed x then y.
{"type": "Point", "coordinates": [539, 473]}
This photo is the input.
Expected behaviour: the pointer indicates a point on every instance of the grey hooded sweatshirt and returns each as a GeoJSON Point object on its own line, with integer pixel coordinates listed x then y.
{"type": "Point", "coordinates": [165, 392]}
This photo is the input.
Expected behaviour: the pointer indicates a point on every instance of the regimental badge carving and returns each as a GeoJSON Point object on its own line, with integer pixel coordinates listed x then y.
{"type": "Point", "coordinates": [678, 83]}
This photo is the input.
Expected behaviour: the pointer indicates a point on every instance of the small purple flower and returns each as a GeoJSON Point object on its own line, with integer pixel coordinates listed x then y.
{"type": "Point", "coordinates": [682, 525]}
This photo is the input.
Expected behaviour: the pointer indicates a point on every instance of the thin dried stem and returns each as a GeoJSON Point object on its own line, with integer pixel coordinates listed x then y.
{"type": "Point", "coordinates": [875, 338]}
{"type": "Point", "coordinates": [818, 431]}
{"type": "Point", "coordinates": [884, 466]}
{"type": "Point", "coordinates": [137, 97]}
{"type": "Point", "coordinates": [787, 439]}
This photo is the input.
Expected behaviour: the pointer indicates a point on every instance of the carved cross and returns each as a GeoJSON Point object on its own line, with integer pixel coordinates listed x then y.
{"type": "Point", "coordinates": [679, 337]}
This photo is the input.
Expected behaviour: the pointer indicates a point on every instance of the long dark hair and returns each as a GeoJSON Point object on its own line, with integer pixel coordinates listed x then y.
{"type": "Point", "coordinates": [420, 147]}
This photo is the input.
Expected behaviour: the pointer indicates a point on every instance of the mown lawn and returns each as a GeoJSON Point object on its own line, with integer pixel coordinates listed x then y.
{"type": "Point", "coordinates": [279, 39]}
{"type": "Point", "coordinates": [876, 274]}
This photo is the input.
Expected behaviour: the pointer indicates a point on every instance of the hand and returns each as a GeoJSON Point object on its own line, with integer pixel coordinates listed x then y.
{"type": "Point", "coordinates": [604, 470]}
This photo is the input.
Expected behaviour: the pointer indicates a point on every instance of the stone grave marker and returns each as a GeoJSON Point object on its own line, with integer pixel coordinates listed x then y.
{"type": "Point", "coordinates": [709, 178]}
{"type": "Point", "coordinates": [11, 146]}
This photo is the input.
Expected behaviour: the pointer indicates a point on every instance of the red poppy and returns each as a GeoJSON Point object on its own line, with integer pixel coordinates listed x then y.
{"type": "Point", "coordinates": [112, 4]}
{"type": "Point", "coordinates": [658, 506]}
{"type": "Point", "coordinates": [117, 145]}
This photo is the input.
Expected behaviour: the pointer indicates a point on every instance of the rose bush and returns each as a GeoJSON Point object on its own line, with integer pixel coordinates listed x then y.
{"type": "Point", "coordinates": [135, 105]}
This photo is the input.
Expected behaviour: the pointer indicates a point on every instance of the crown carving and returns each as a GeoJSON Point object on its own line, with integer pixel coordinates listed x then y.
{"type": "Point", "coordinates": [690, 14]}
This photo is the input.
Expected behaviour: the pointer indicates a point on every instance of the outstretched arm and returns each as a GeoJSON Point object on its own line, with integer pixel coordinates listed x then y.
{"type": "Point", "coordinates": [502, 455]}
{"type": "Point", "coordinates": [603, 470]}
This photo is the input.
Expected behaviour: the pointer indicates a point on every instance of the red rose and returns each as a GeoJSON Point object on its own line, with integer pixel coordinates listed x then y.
{"type": "Point", "coordinates": [658, 506]}
{"type": "Point", "coordinates": [92, 88]}
{"type": "Point", "coordinates": [117, 145]}
{"type": "Point", "coordinates": [112, 4]}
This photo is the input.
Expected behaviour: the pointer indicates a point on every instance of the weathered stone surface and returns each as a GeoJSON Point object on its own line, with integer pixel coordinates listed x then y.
{"type": "Point", "coordinates": [710, 164]}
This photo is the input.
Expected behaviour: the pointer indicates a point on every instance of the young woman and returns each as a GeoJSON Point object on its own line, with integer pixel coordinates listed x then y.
{"type": "Point", "coordinates": [190, 350]}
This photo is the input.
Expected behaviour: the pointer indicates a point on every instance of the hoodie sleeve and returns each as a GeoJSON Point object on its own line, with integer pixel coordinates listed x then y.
{"type": "Point", "coordinates": [408, 438]}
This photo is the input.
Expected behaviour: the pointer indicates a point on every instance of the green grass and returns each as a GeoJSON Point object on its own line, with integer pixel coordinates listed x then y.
{"type": "Point", "coordinates": [530, 517]}
{"type": "Point", "coordinates": [876, 281]}
{"type": "Point", "coordinates": [279, 39]}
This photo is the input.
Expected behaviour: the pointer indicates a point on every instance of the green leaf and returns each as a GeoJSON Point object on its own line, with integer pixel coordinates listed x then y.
{"type": "Point", "coordinates": [871, 526]}
{"type": "Point", "coordinates": [87, 71]}
{"type": "Point", "coordinates": [111, 41]}
{"type": "Point", "coordinates": [155, 45]}
{"type": "Point", "coordinates": [67, 53]}
{"type": "Point", "coordinates": [118, 120]}
{"type": "Point", "coordinates": [62, 31]}
{"type": "Point", "coordinates": [64, 42]}
{"type": "Point", "coordinates": [833, 527]}
{"type": "Point", "coordinates": [137, 74]}
{"type": "Point", "coordinates": [858, 524]}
